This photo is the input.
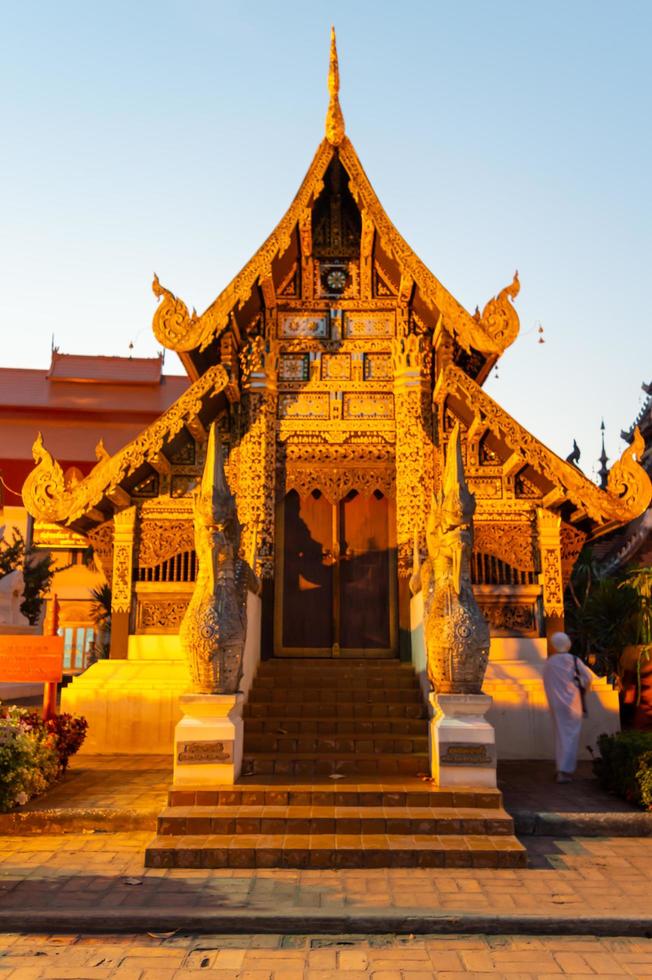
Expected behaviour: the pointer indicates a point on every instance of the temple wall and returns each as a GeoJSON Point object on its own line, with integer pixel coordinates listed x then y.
{"type": "Point", "coordinates": [132, 705]}
{"type": "Point", "coordinates": [520, 713]}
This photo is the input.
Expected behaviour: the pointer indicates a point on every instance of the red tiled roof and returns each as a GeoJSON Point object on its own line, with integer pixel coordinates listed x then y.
{"type": "Point", "coordinates": [111, 370]}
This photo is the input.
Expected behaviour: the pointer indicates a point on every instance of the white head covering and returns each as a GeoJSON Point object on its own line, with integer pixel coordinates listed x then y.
{"type": "Point", "coordinates": [560, 642]}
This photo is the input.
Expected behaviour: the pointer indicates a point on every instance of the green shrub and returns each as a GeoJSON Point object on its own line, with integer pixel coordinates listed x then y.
{"type": "Point", "coordinates": [69, 733]}
{"type": "Point", "coordinates": [28, 760]}
{"type": "Point", "coordinates": [34, 753]}
{"type": "Point", "coordinates": [625, 766]}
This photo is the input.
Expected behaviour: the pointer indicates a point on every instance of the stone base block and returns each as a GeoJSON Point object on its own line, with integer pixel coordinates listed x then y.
{"type": "Point", "coordinates": [462, 743]}
{"type": "Point", "coordinates": [208, 740]}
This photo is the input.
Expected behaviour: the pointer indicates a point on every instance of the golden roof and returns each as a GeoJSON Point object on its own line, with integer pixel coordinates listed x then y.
{"type": "Point", "coordinates": [489, 333]}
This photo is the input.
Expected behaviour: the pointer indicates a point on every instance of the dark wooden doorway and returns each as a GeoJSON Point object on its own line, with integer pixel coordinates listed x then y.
{"type": "Point", "coordinates": [335, 582]}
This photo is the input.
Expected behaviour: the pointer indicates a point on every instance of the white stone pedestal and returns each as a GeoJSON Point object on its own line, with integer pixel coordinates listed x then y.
{"type": "Point", "coordinates": [208, 740]}
{"type": "Point", "coordinates": [462, 743]}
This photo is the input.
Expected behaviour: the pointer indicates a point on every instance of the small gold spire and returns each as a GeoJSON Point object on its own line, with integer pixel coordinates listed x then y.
{"type": "Point", "coordinates": [334, 117]}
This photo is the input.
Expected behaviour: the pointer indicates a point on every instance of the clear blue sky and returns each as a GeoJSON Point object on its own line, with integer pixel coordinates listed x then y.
{"type": "Point", "coordinates": [171, 136]}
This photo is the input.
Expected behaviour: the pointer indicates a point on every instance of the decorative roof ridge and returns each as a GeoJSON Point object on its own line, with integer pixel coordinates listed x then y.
{"type": "Point", "coordinates": [629, 489]}
{"type": "Point", "coordinates": [45, 493]}
{"type": "Point", "coordinates": [177, 330]}
{"type": "Point", "coordinates": [491, 332]}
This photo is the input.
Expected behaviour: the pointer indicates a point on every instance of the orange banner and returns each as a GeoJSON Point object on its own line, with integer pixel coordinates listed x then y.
{"type": "Point", "coordinates": [31, 658]}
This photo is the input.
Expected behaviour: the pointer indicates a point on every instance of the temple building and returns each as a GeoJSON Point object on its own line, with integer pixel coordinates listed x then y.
{"type": "Point", "coordinates": [85, 408]}
{"type": "Point", "coordinates": [337, 366]}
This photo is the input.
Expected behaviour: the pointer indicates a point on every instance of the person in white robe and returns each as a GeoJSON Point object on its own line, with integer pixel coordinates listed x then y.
{"type": "Point", "coordinates": [561, 673]}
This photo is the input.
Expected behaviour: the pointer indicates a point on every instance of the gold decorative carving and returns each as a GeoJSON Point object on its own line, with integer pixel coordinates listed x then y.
{"type": "Point", "coordinates": [101, 539]}
{"type": "Point", "coordinates": [308, 405]}
{"type": "Point", "coordinates": [357, 454]}
{"type": "Point", "coordinates": [252, 472]}
{"type": "Point", "coordinates": [509, 618]}
{"type": "Point", "coordinates": [499, 318]}
{"type": "Point", "coordinates": [414, 450]}
{"type": "Point", "coordinates": [362, 325]}
{"type": "Point", "coordinates": [336, 367]}
{"type": "Point", "coordinates": [378, 367]}
{"type": "Point", "coordinates": [334, 117]}
{"type": "Point", "coordinates": [160, 615]}
{"type": "Point", "coordinates": [627, 480]}
{"type": "Point", "coordinates": [548, 525]}
{"type": "Point", "coordinates": [572, 541]}
{"type": "Point", "coordinates": [335, 482]}
{"type": "Point", "coordinates": [468, 332]}
{"type": "Point", "coordinates": [510, 542]}
{"type": "Point", "coordinates": [604, 507]}
{"type": "Point", "coordinates": [294, 367]}
{"type": "Point", "coordinates": [292, 325]}
{"type": "Point", "coordinates": [45, 494]}
{"type": "Point", "coordinates": [123, 560]}
{"type": "Point", "coordinates": [160, 540]}
{"type": "Point", "coordinates": [101, 451]}
{"type": "Point", "coordinates": [491, 487]}
{"type": "Point", "coordinates": [368, 406]}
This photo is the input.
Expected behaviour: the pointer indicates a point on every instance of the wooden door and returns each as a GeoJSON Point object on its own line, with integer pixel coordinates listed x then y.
{"type": "Point", "coordinates": [336, 577]}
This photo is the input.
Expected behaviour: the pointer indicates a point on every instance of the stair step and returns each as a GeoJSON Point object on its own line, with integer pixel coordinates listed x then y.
{"type": "Point", "coordinates": [404, 727]}
{"type": "Point", "coordinates": [334, 851]}
{"type": "Point", "coordinates": [317, 681]}
{"type": "Point", "coordinates": [349, 792]}
{"type": "Point", "coordinates": [344, 763]}
{"type": "Point", "coordinates": [334, 709]}
{"type": "Point", "coordinates": [183, 820]}
{"type": "Point", "coordinates": [386, 743]}
{"type": "Point", "coordinates": [295, 692]}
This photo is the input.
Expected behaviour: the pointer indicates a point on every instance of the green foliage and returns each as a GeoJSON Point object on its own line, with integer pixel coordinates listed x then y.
{"type": "Point", "coordinates": [28, 760]}
{"type": "Point", "coordinates": [11, 553]}
{"type": "Point", "coordinates": [640, 580]}
{"type": "Point", "coordinates": [34, 753]}
{"type": "Point", "coordinates": [68, 731]}
{"type": "Point", "coordinates": [625, 766]}
{"type": "Point", "coordinates": [37, 576]}
{"type": "Point", "coordinates": [101, 615]}
{"type": "Point", "coordinates": [37, 573]}
{"type": "Point", "coordinates": [605, 614]}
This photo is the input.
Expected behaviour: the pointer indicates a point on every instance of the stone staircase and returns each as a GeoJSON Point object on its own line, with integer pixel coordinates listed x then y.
{"type": "Point", "coordinates": [334, 776]}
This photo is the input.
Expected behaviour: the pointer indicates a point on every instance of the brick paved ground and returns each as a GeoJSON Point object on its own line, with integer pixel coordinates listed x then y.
{"type": "Point", "coordinates": [320, 957]}
{"type": "Point", "coordinates": [566, 878]}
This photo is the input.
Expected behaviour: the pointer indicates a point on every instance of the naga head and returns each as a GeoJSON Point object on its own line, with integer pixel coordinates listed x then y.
{"type": "Point", "coordinates": [216, 515]}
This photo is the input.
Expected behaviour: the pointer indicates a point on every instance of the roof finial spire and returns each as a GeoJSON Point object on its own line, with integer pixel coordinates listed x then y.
{"type": "Point", "coordinates": [603, 472]}
{"type": "Point", "coordinates": [334, 117]}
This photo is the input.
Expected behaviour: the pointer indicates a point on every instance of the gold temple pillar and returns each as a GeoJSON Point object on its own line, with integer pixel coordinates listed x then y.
{"type": "Point", "coordinates": [256, 464]}
{"type": "Point", "coordinates": [549, 535]}
{"type": "Point", "coordinates": [414, 463]}
{"type": "Point", "coordinates": [124, 525]}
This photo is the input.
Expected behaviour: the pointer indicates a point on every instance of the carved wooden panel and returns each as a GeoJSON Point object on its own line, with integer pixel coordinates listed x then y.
{"type": "Point", "coordinates": [374, 405]}
{"type": "Point", "coordinates": [336, 367]}
{"type": "Point", "coordinates": [378, 367]}
{"type": "Point", "coordinates": [294, 367]}
{"type": "Point", "coordinates": [304, 405]}
{"type": "Point", "coordinates": [369, 324]}
{"type": "Point", "coordinates": [292, 325]}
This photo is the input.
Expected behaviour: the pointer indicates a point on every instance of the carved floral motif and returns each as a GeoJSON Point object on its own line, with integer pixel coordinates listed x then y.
{"type": "Point", "coordinates": [160, 540]}
{"type": "Point", "coordinates": [510, 542]}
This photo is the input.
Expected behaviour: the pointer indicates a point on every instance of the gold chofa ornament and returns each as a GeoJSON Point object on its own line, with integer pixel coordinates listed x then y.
{"type": "Point", "coordinates": [456, 632]}
{"type": "Point", "coordinates": [214, 627]}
